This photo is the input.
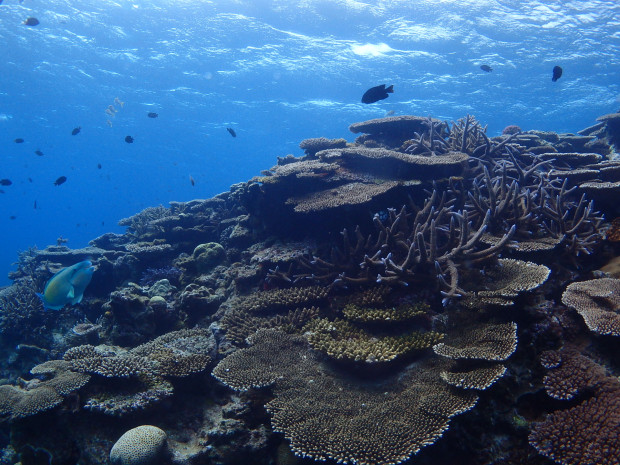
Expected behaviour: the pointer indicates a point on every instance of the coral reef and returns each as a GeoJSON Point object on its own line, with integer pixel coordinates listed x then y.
{"type": "Point", "coordinates": [365, 293]}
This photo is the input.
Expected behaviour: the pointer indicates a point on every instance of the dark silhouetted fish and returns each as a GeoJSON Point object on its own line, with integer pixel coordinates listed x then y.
{"type": "Point", "coordinates": [29, 179]}
{"type": "Point", "coordinates": [1, 191]}
{"type": "Point", "coordinates": [99, 166]}
{"type": "Point", "coordinates": [12, 217]}
{"type": "Point", "coordinates": [129, 139]}
{"type": "Point", "coordinates": [5, 182]}
{"type": "Point", "coordinates": [191, 179]}
{"type": "Point", "coordinates": [60, 180]}
{"type": "Point", "coordinates": [232, 132]}
{"type": "Point", "coordinates": [374, 94]}
{"type": "Point", "coordinates": [35, 204]}
{"type": "Point", "coordinates": [19, 140]}
{"type": "Point", "coordinates": [76, 131]}
{"type": "Point", "coordinates": [557, 73]}
{"type": "Point", "coordinates": [486, 68]}
{"type": "Point", "coordinates": [152, 114]}
{"type": "Point", "coordinates": [38, 152]}
{"type": "Point", "coordinates": [31, 21]}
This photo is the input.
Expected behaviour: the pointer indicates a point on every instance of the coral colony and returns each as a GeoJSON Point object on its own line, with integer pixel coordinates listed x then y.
{"type": "Point", "coordinates": [424, 291]}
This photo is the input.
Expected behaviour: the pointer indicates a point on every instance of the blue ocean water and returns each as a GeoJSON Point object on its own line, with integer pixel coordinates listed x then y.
{"type": "Point", "coordinates": [276, 72]}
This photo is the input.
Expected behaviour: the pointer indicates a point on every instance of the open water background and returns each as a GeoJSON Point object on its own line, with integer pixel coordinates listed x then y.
{"type": "Point", "coordinates": [276, 72]}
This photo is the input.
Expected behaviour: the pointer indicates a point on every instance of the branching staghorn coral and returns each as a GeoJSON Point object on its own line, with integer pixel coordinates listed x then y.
{"type": "Point", "coordinates": [408, 248]}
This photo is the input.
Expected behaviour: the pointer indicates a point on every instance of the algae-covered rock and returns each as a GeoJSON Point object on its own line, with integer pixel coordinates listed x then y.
{"type": "Point", "coordinates": [208, 255]}
{"type": "Point", "coordinates": [161, 288]}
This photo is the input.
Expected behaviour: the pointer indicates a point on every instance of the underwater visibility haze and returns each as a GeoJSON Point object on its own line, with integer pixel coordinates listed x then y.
{"type": "Point", "coordinates": [275, 72]}
{"type": "Point", "coordinates": [277, 232]}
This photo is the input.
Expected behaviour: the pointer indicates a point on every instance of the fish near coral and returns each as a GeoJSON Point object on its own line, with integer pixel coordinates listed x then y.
{"type": "Point", "coordinates": [67, 286]}
{"type": "Point", "coordinates": [374, 94]}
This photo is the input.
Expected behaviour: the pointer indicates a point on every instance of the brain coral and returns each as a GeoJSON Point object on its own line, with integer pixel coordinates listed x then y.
{"type": "Point", "coordinates": [142, 445]}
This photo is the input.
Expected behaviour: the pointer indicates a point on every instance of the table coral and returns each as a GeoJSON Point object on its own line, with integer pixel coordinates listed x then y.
{"type": "Point", "coordinates": [383, 422]}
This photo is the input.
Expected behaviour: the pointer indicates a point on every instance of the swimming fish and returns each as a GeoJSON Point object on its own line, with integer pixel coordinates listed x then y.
{"type": "Point", "coordinates": [12, 217]}
{"type": "Point", "coordinates": [129, 139]}
{"type": "Point", "coordinates": [31, 21]}
{"type": "Point", "coordinates": [112, 109]}
{"type": "Point", "coordinates": [486, 68]}
{"type": "Point", "coordinates": [19, 140]}
{"type": "Point", "coordinates": [109, 122]}
{"type": "Point", "coordinates": [191, 179]}
{"type": "Point", "coordinates": [5, 182]}
{"type": "Point", "coordinates": [557, 73]}
{"type": "Point", "coordinates": [38, 152]}
{"type": "Point", "coordinates": [152, 114]}
{"type": "Point", "coordinates": [76, 131]}
{"type": "Point", "coordinates": [60, 180]}
{"type": "Point", "coordinates": [374, 94]}
{"type": "Point", "coordinates": [98, 166]}
{"type": "Point", "coordinates": [118, 102]}
{"type": "Point", "coordinates": [109, 112]}
{"type": "Point", "coordinates": [389, 113]}
{"type": "Point", "coordinates": [67, 286]}
{"type": "Point", "coordinates": [232, 132]}
{"type": "Point", "coordinates": [35, 204]}
{"type": "Point", "coordinates": [1, 191]}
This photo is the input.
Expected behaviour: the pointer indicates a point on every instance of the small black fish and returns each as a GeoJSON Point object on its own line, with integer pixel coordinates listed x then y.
{"type": "Point", "coordinates": [31, 21]}
{"type": "Point", "coordinates": [191, 179]}
{"type": "Point", "coordinates": [486, 68]}
{"type": "Point", "coordinates": [12, 217]}
{"type": "Point", "coordinates": [557, 73]}
{"type": "Point", "coordinates": [60, 180]}
{"type": "Point", "coordinates": [35, 204]}
{"type": "Point", "coordinates": [38, 152]}
{"type": "Point", "coordinates": [76, 131]}
{"type": "Point", "coordinates": [19, 140]}
{"type": "Point", "coordinates": [152, 114]}
{"type": "Point", "coordinates": [29, 179]}
{"type": "Point", "coordinates": [232, 132]}
{"type": "Point", "coordinates": [374, 94]}
{"type": "Point", "coordinates": [99, 166]}
{"type": "Point", "coordinates": [5, 182]}
{"type": "Point", "coordinates": [129, 139]}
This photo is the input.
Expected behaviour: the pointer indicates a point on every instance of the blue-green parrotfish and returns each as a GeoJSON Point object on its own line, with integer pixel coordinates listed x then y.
{"type": "Point", "coordinates": [67, 286]}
